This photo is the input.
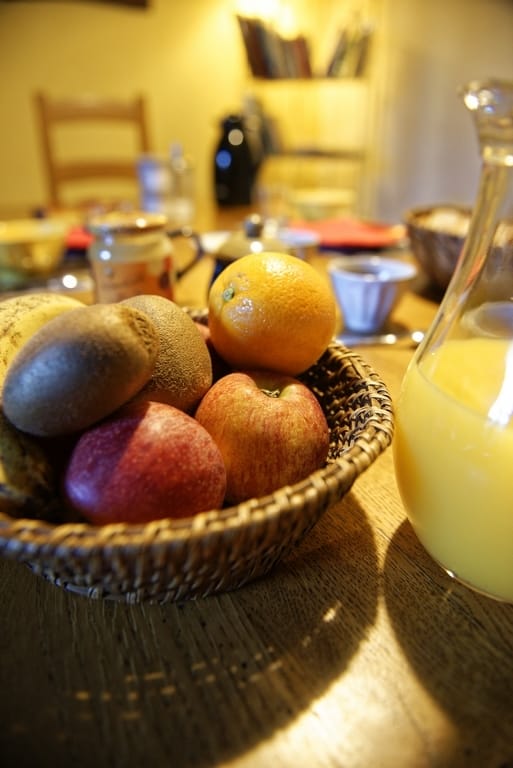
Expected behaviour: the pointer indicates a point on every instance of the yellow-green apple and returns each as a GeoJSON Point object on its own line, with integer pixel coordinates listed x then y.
{"type": "Point", "coordinates": [147, 461]}
{"type": "Point", "coordinates": [270, 429]}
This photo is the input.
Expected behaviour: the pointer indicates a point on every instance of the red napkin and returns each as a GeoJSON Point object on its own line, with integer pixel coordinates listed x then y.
{"type": "Point", "coordinates": [78, 239]}
{"type": "Point", "coordinates": [353, 233]}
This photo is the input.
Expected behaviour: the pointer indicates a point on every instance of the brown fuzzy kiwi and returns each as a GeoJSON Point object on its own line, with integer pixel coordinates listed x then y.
{"type": "Point", "coordinates": [78, 368]}
{"type": "Point", "coordinates": [183, 370]}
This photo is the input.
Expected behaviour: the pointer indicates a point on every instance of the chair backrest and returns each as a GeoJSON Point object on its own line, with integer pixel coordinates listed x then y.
{"type": "Point", "coordinates": [88, 111]}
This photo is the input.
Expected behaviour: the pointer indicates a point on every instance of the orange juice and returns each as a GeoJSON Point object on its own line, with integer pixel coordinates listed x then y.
{"type": "Point", "coordinates": [453, 453]}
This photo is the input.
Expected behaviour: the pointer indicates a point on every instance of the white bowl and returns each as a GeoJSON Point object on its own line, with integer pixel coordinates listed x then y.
{"type": "Point", "coordinates": [367, 288]}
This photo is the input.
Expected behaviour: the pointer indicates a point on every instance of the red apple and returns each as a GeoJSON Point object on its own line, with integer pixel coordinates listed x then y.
{"type": "Point", "coordinates": [148, 461]}
{"type": "Point", "coordinates": [269, 427]}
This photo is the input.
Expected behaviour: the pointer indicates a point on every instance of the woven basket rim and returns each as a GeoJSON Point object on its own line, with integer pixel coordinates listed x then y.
{"type": "Point", "coordinates": [21, 534]}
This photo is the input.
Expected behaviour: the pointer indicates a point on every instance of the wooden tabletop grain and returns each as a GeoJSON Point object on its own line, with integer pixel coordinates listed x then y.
{"type": "Point", "coordinates": [356, 652]}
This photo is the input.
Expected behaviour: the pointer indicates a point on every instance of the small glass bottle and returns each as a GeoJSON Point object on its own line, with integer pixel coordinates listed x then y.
{"type": "Point", "coordinates": [167, 185]}
{"type": "Point", "coordinates": [154, 183]}
{"type": "Point", "coordinates": [181, 204]}
{"type": "Point", "coordinates": [453, 445]}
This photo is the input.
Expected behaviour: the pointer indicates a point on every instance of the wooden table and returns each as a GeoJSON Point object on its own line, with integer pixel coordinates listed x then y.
{"type": "Point", "coordinates": [356, 652]}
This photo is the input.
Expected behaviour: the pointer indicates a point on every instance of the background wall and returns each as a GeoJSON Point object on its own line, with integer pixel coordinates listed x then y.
{"type": "Point", "coordinates": [187, 56]}
{"type": "Point", "coordinates": [184, 54]}
{"type": "Point", "coordinates": [425, 145]}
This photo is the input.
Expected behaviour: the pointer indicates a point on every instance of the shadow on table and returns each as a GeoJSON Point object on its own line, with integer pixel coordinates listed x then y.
{"type": "Point", "coordinates": [191, 684]}
{"type": "Point", "coordinates": [460, 645]}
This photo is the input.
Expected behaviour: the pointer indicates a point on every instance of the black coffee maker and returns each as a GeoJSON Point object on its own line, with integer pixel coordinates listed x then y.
{"type": "Point", "coordinates": [237, 159]}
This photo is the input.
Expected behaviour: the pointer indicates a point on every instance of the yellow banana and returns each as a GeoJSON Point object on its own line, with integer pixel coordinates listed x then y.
{"type": "Point", "coordinates": [21, 316]}
{"type": "Point", "coordinates": [27, 478]}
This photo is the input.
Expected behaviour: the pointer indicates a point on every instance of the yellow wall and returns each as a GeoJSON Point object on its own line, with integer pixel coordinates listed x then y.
{"type": "Point", "coordinates": [186, 55]}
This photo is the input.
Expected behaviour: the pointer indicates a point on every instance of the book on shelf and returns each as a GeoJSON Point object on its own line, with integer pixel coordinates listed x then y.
{"type": "Point", "coordinates": [270, 55]}
{"type": "Point", "coordinates": [252, 44]}
{"type": "Point", "coordinates": [338, 54]}
{"type": "Point", "coordinates": [349, 58]}
{"type": "Point", "coordinates": [274, 51]}
{"type": "Point", "coordinates": [301, 56]}
{"type": "Point", "coordinates": [362, 54]}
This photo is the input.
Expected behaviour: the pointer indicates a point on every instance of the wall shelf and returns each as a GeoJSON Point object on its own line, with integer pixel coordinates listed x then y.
{"type": "Point", "coordinates": [272, 56]}
{"type": "Point", "coordinates": [322, 112]}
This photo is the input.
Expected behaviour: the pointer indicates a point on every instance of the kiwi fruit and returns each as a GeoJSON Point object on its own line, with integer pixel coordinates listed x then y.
{"type": "Point", "coordinates": [183, 369]}
{"type": "Point", "coordinates": [78, 368]}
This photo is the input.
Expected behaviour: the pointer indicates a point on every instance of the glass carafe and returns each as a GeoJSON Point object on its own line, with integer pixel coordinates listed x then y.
{"type": "Point", "coordinates": [453, 446]}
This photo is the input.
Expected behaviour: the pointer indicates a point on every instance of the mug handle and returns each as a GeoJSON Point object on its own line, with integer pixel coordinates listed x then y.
{"type": "Point", "coordinates": [189, 234]}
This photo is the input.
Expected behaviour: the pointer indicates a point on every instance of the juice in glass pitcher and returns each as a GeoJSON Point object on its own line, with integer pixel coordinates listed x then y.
{"type": "Point", "coordinates": [455, 462]}
{"type": "Point", "coordinates": [453, 446]}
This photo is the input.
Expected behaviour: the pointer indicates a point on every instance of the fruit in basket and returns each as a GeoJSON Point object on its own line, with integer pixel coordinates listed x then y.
{"type": "Point", "coordinates": [271, 311]}
{"type": "Point", "coordinates": [27, 478]}
{"type": "Point", "coordinates": [183, 369]}
{"type": "Point", "coordinates": [21, 316]}
{"type": "Point", "coordinates": [148, 461]}
{"type": "Point", "coordinates": [219, 366]}
{"type": "Point", "coordinates": [78, 368]}
{"type": "Point", "coordinates": [270, 429]}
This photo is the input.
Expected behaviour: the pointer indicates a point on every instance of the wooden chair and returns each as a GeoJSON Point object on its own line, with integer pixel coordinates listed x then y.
{"type": "Point", "coordinates": [54, 114]}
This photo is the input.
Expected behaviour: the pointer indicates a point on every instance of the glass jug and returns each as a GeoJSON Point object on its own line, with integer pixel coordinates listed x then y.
{"type": "Point", "coordinates": [131, 253]}
{"type": "Point", "coordinates": [453, 447]}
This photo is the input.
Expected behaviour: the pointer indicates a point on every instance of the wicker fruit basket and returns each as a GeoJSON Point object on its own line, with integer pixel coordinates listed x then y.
{"type": "Point", "coordinates": [218, 550]}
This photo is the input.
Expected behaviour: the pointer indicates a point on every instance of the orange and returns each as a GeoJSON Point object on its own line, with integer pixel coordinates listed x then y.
{"type": "Point", "coordinates": [271, 311]}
